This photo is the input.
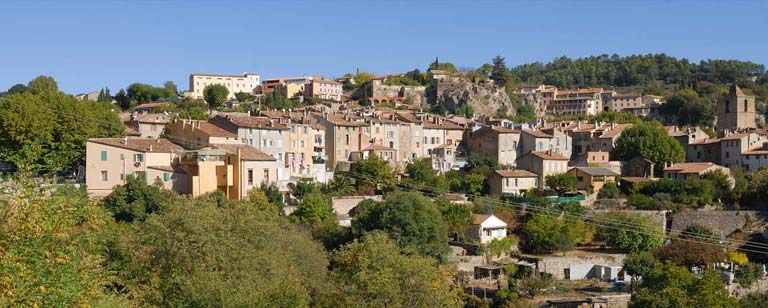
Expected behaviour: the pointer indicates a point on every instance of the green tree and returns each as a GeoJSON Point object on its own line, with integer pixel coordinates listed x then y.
{"type": "Point", "coordinates": [561, 183]}
{"type": "Point", "coordinates": [17, 89]}
{"type": "Point", "coordinates": [314, 208]}
{"type": "Point", "coordinates": [48, 132]}
{"type": "Point", "coordinates": [437, 65]}
{"type": "Point", "coordinates": [500, 73]}
{"type": "Point", "coordinates": [542, 234]}
{"type": "Point", "coordinates": [123, 100]}
{"type": "Point", "coordinates": [341, 186]}
{"type": "Point", "coordinates": [651, 141]}
{"type": "Point", "coordinates": [456, 216]}
{"type": "Point", "coordinates": [609, 191]}
{"type": "Point", "coordinates": [215, 95]}
{"type": "Point", "coordinates": [51, 243]}
{"type": "Point", "coordinates": [421, 172]}
{"type": "Point", "coordinates": [135, 200]}
{"type": "Point", "coordinates": [232, 254]}
{"type": "Point", "coordinates": [104, 96]}
{"type": "Point", "coordinates": [687, 108]}
{"type": "Point", "coordinates": [689, 253]}
{"type": "Point", "coordinates": [639, 264]}
{"type": "Point", "coordinates": [375, 272]}
{"type": "Point", "coordinates": [671, 286]}
{"type": "Point", "coordinates": [361, 78]}
{"type": "Point", "coordinates": [243, 97]}
{"type": "Point", "coordinates": [43, 84]}
{"type": "Point", "coordinates": [409, 218]}
{"type": "Point", "coordinates": [373, 174]}
{"type": "Point", "coordinates": [303, 187]}
{"type": "Point", "coordinates": [171, 86]}
{"type": "Point", "coordinates": [753, 300]}
{"type": "Point", "coordinates": [643, 234]}
{"type": "Point", "coordinates": [274, 195]}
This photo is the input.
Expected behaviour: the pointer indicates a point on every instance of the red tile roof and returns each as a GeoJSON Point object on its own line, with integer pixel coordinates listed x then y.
{"type": "Point", "coordinates": [516, 174]}
{"type": "Point", "coordinates": [690, 167]}
{"type": "Point", "coordinates": [140, 145]}
{"type": "Point", "coordinates": [537, 133]}
{"type": "Point", "coordinates": [548, 155]}
{"type": "Point", "coordinates": [247, 152]}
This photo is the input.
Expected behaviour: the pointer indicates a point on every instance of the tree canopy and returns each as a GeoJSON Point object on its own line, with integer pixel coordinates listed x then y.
{"type": "Point", "coordinates": [47, 131]}
{"type": "Point", "coordinates": [651, 141]}
{"type": "Point", "coordinates": [375, 272]}
{"type": "Point", "coordinates": [215, 94]}
{"type": "Point", "coordinates": [409, 218]}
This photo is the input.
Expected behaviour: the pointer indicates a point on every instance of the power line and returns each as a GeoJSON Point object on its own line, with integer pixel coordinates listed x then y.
{"type": "Point", "coordinates": [604, 223]}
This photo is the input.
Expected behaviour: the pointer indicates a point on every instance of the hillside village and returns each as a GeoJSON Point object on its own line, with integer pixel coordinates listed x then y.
{"type": "Point", "coordinates": [519, 192]}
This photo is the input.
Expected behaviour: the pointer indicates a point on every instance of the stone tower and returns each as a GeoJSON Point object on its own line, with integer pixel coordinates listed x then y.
{"type": "Point", "coordinates": [735, 111]}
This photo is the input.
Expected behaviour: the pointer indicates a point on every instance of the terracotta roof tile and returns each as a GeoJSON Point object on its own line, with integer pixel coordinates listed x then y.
{"type": "Point", "coordinates": [140, 145]}
{"type": "Point", "coordinates": [516, 174]}
{"type": "Point", "coordinates": [247, 152]}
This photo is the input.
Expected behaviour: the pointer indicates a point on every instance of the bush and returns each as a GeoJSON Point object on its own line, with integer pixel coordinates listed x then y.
{"type": "Point", "coordinates": [609, 191]}
{"type": "Point", "coordinates": [641, 202]}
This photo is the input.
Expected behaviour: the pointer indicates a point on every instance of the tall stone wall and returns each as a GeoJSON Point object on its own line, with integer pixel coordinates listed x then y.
{"type": "Point", "coordinates": [417, 95]}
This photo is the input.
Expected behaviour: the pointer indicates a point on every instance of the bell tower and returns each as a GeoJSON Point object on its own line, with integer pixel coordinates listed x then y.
{"type": "Point", "coordinates": [735, 111]}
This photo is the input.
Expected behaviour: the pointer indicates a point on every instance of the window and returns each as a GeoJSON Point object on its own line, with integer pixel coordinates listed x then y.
{"type": "Point", "coordinates": [745, 106]}
{"type": "Point", "coordinates": [141, 175]}
{"type": "Point", "coordinates": [727, 106]}
{"type": "Point", "coordinates": [390, 135]}
{"type": "Point", "coordinates": [138, 157]}
{"type": "Point", "coordinates": [103, 176]}
{"type": "Point", "coordinates": [346, 139]}
{"type": "Point", "coordinates": [166, 176]}
{"type": "Point", "coordinates": [727, 155]}
{"type": "Point", "coordinates": [250, 177]}
{"type": "Point", "coordinates": [266, 175]}
{"type": "Point", "coordinates": [122, 156]}
{"type": "Point", "coordinates": [515, 182]}
{"type": "Point", "coordinates": [103, 155]}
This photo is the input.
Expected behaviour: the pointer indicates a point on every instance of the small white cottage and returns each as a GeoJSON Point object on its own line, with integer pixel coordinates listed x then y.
{"type": "Point", "coordinates": [485, 228]}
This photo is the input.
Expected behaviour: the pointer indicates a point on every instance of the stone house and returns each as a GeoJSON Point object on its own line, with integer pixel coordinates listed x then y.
{"type": "Point", "coordinates": [535, 140]}
{"type": "Point", "coordinates": [263, 133]}
{"type": "Point", "coordinates": [108, 161]}
{"type": "Point", "coordinates": [734, 145]}
{"type": "Point", "coordinates": [681, 171]}
{"type": "Point", "coordinates": [512, 182]}
{"type": "Point", "coordinates": [498, 143]}
{"type": "Point", "coordinates": [592, 177]}
{"type": "Point", "coordinates": [543, 163]}
{"type": "Point", "coordinates": [344, 135]}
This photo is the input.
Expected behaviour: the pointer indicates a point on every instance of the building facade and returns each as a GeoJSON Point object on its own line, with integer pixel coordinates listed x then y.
{"type": "Point", "coordinates": [246, 83]}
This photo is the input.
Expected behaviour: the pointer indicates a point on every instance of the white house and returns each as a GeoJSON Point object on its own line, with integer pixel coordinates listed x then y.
{"type": "Point", "coordinates": [485, 228]}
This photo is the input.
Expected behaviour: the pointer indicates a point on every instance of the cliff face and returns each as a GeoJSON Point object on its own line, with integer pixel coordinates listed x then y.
{"type": "Point", "coordinates": [485, 99]}
{"type": "Point", "coordinates": [415, 94]}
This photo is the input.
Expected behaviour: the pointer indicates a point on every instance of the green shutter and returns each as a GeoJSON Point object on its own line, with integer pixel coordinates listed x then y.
{"type": "Point", "coordinates": [166, 176]}
{"type": "Point", "coordinates": [103, 155]}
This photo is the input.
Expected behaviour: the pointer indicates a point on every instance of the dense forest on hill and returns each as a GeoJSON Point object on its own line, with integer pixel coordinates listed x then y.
{"type": "Point", "coordinates": [605, 70]}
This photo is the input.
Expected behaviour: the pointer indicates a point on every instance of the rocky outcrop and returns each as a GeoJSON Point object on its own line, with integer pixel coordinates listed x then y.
{"type": "Point", "coordinates": [485, 99]}
{"type": "Point", "coordinates": [416, 95]}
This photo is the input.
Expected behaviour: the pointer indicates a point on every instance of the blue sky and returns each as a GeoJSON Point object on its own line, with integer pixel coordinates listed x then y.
{"type": "Point", "coordinates": [86, 45]}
